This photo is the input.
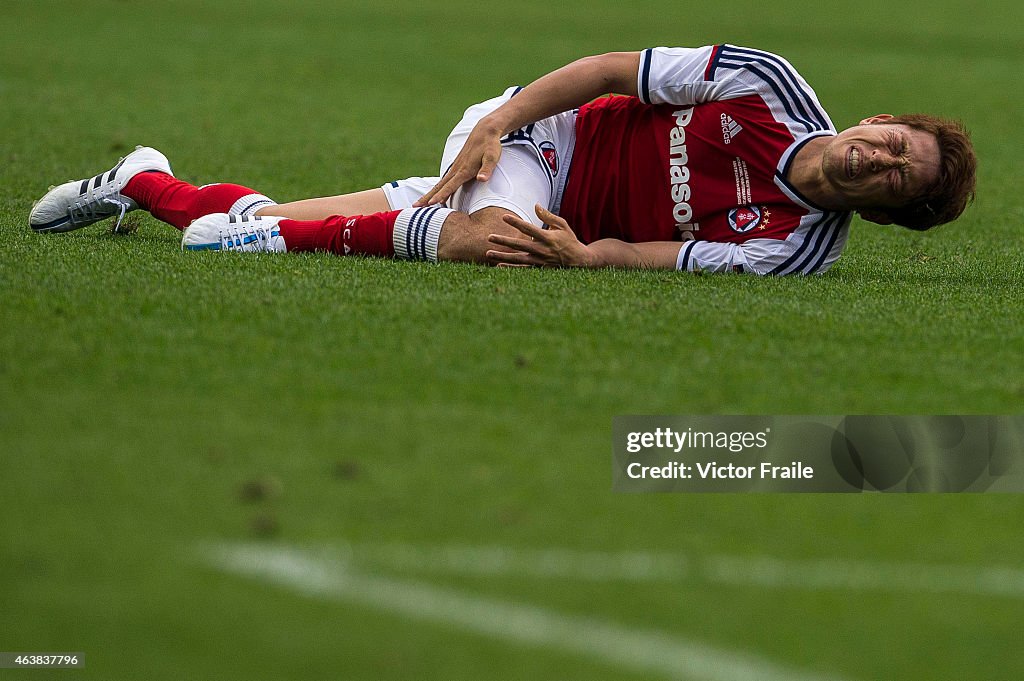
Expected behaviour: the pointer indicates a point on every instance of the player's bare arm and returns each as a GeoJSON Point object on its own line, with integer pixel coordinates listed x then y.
{"type": "Point", "coordinates": [567, 88]}
{"type": "Point", "coordinates": [557, 246]}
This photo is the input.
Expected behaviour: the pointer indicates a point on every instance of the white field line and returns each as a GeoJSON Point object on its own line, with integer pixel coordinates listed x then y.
{"type": "Point", "coordinates": [753, 571]}
{"type": "Point", "coordinates": [637, 650]}
{"type": "Point", "coordinates": [592, 566]}
{"type": "Point", "coordinates": [1000, 582]}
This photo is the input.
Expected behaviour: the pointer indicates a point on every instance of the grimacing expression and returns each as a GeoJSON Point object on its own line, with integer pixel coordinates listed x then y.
{"type": "Point", "coordinates": [879, 165]}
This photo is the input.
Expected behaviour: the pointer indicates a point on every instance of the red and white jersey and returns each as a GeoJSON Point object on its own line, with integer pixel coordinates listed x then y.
{"type": "Point", "coordinates": [702, 157]}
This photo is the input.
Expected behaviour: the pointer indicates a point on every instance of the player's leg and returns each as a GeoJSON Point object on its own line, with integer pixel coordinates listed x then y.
{"type": "Point", "coordinates": [178, 203]}
{"type": "Point", "coordinates": [434, 233]}
{"type": "Point", "coordinates": [358, 203]}
{"type": "Point", "coordinates": [142, 179]}
{"type": "Point", "coordinates": [465, 239]}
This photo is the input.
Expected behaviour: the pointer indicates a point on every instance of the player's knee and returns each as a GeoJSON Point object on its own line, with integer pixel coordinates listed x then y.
{"type": "Point", "coordinates": [464, 237]}
{"type": "Point", "coordinates": [492, 221]}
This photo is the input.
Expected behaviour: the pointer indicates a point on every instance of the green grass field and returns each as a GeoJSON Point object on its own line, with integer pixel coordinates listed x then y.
{"type": "Point", "coordinates": [156, 407]}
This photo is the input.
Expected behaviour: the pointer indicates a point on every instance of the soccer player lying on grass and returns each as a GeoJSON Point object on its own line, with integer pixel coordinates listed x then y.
{"type": "Point", "coordinates": [718, 158]}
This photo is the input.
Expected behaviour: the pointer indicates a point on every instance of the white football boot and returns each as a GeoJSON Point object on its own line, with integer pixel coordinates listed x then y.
{"type": "Point", "coordinates": [80, 203]}
{"type": "Point", "coordinates": [223, 232]}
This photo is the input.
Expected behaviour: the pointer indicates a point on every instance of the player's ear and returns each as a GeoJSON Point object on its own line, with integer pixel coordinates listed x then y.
{"type": "Point", "coordinates": [877, 118]}
{"type": "Point", "coordinates": [876, 216]}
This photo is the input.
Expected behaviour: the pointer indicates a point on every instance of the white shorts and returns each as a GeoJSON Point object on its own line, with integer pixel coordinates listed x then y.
{"type": "Point", "coordinates": [532, 170]}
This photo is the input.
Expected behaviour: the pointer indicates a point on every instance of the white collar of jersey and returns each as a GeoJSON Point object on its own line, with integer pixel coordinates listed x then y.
{"type": "Point", "coordinates": [782, 170]}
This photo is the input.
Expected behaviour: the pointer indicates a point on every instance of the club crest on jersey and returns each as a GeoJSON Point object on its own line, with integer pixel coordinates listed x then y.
{"type": "Point", "coordinates": [744, 219]}
{"type": "Point", "coordinates": [547, 150]}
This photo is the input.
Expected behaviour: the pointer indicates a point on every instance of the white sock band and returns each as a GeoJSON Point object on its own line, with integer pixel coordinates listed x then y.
{"type": "Point", "coordinates": [249, 204]}
{"type": "Point", "coordinates": [417, 231]}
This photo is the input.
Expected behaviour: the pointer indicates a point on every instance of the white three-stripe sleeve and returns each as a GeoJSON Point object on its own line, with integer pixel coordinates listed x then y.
{"type": "Point", "coordinates": [712, 256]}
{"type": "Point", "coordinates": [807, 251]}
{"type": "Point", "coordinates": [675, 75]}
{"type": "Point", "coordinates": [787, 94]}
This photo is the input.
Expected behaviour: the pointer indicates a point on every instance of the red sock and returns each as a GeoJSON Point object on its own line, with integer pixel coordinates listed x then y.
{"type": "Point", "coordinates": [178, 203]}
{"type": "Point", "coordinates": [359, 234]}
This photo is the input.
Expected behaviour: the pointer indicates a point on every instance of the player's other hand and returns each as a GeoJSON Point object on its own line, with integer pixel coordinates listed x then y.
{"type": "Point", "coordinates": [556, 246]}
{"type": "Point", "coordinates": [476, 161]}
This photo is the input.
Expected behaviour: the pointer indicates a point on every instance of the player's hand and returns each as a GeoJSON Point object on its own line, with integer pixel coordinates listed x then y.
{"type": "Point", "coordinates": [475, 161]}
{"type": "Point", "coordinates": [556, 246]}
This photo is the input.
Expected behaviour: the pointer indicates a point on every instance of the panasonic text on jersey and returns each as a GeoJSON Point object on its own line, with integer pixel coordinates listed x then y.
{"type": "Point", "coordinates": [679, 174]}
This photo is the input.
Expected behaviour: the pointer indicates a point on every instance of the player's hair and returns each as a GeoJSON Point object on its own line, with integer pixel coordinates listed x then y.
{"type": "Point", "coordinates": [948, 196]}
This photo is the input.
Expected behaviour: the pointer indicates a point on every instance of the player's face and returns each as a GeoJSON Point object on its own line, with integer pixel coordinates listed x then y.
{"type": "Point", "coordinates": [878, 165]}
